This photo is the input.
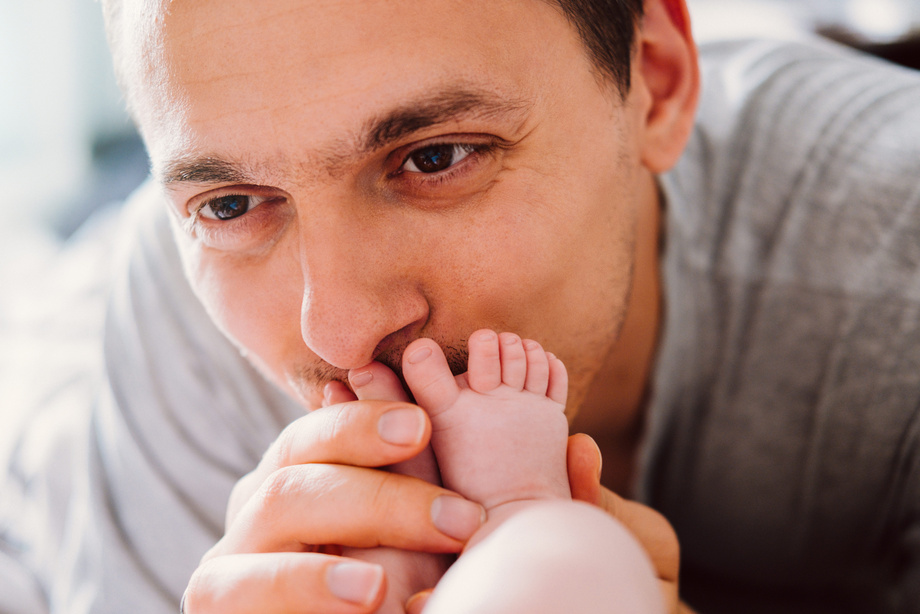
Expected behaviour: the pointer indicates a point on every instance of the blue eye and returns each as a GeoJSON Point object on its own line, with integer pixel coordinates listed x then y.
{"type": "Point", "coordinates": [226, 207]}
{"type": "Point", "coordinates": [436, 158]}
{"type": "Point", "coordinates": [230, 206]}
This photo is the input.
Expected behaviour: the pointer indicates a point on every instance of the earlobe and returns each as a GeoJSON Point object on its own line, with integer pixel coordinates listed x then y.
{"type": "Point", "coordinates": [667, 82]}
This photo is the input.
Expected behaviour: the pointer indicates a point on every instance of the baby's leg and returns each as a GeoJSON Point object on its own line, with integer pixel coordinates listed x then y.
{"type": "Point", "coordinates": [498, 431]}
{"type": "Point", "coordinates": [551, 557]}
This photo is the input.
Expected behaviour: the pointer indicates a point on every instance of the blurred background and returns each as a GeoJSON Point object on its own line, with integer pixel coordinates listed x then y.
{"type": "Point", "coordinates": [67, 147]}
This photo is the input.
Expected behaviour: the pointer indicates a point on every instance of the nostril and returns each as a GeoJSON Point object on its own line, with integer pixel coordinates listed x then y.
{"type": "Point", "coordinates": [388, 342]}
{"type": "Point", "coordinates": [398, 339]}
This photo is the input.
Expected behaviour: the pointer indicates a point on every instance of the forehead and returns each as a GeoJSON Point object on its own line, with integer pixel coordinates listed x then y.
{"type": "Point", "coordinates": [280, 68]}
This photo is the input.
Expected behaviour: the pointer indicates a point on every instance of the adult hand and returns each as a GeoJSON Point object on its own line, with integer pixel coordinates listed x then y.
{"type": "Point", "coordinates": [316, 491]}
{"type": "Point", "coordinates": [649, 527]}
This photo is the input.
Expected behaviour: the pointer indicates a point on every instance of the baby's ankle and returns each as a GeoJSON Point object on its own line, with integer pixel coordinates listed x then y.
{"type": "Point", "coordinates": [499, 513]}
{"type": "Point", "coordinates": [504, 510]}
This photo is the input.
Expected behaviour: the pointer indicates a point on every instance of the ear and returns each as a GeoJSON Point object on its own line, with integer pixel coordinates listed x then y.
{"type": "Point", "coordinates": [666, 82]}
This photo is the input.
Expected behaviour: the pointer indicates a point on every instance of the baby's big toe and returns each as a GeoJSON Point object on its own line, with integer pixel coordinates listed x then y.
{"type": "Point", "coordinates": [428, 376]}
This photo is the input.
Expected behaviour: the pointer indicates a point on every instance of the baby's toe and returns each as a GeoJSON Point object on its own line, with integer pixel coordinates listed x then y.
{"type": "Point", "coordinates": [428, 376]}
{"type": "Point", "coordinates": [514, 360]}
{"type": "Point", "coordinates": [485, 367]}
{"type": "Point", "coordinates": [537, 367]}
{"type": "Point", "coordinates": [376, 382]}
{"type": "Point", "coordinates": [558, 388]}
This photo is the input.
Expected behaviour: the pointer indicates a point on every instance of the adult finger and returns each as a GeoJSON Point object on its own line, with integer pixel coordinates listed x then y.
{"type": "Point", "coordinates": [416, 602]}
{"type": "Point", "coordinates": [583, 460]}
{"type": "Point", "coordinates": [365, 433]}
{"type": "Point", "coordinates": [307, 583]}
{"type": "Point", "coordinates": [361, 433]}
{"type": "Point", "coordinates": [349, 506]}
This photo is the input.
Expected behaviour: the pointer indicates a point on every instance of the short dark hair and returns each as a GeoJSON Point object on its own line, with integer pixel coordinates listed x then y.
{"type": "Point", "coordinates": [607, 28]}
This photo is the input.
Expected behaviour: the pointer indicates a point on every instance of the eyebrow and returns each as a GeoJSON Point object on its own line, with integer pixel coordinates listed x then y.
{"type": "Point", "coordinates": [377, 133]}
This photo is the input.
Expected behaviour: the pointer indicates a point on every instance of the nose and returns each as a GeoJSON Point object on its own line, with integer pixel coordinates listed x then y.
{"type": "Point", "coordinates": [359, 297]}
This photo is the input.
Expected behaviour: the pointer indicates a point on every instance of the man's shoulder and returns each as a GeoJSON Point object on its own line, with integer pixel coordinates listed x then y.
{"type": "Point", "coordinates": [787, 381]}
{"type": "Point", "coordinates": [802, 167]}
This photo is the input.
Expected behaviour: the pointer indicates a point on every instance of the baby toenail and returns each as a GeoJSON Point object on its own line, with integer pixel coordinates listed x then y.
{"type": "Point", "coordinates": [419, 355]}
{"type": "Point", "coordinates": [510, 339]}
{"type": "Point", "coordinates": [361, 379]}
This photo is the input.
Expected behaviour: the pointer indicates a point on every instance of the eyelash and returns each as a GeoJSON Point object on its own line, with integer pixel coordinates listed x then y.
{"type": "Point", "coordinates": [254, 200]}
{"type": "Point", "coordinates": [217, 232]}
{"type": "Point", "coordinates": [419, 182]}
{"type": "Point", "coordinates": [477, 151]}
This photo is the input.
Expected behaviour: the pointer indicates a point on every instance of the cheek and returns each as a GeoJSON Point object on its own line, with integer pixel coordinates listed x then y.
{"type": "Point", "coordinates": [254, 302]}
{"type": "Point", "coordinates": [545, 263]}
{"type": "Point", "coordinates": [555, 266]}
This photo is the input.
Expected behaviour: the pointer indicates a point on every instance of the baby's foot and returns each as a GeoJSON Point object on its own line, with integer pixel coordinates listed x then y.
{"type": "Point", "coordinates": [498, 431]}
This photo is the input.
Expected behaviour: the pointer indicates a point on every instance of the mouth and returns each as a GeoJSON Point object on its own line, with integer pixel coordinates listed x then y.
{"type": "Point", "coordinates": [310, 379]}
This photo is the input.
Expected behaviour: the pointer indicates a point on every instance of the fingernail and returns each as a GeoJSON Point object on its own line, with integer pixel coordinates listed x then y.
{"type": "Point", "coordinates": [402, 427]}
{"type": "Point", "coordinates": [417, 601]}
{"type": "Point", "coordinates": [419, 355]}
{"type": "Point", "coordinates": [361, 379]}
{"type": "Point", "coordinates": [600, 459]}
{"type": "Point", "coordinates": [355, 581]}
{"type": "Point", "coordinates": [456, 517]}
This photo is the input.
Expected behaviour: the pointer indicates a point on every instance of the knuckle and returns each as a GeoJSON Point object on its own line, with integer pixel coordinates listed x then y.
{"type": "Point", "coordinates": [298, 482]}
{"type": "Point", "coordinates": [279, 486]}
{"type": "Point", "coordinates": [281, 453]}
{"type": "Point", "coordinates": [338, 424]}
{"type": "Point", "coordinates": [389, 489]}
{"type": "Point", "coordinates": [317, 437]}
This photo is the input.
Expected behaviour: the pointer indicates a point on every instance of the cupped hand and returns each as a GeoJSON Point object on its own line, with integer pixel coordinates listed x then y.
{"type": "Point", "coordinates": [316, 492]}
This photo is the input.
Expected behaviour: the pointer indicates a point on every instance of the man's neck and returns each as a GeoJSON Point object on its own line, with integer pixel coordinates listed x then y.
{"type": "Point", "coordinates": [613, 410]}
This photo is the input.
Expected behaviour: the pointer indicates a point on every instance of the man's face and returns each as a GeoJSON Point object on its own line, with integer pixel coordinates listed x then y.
{"type": "Point", "coordinates": [347, 176]}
